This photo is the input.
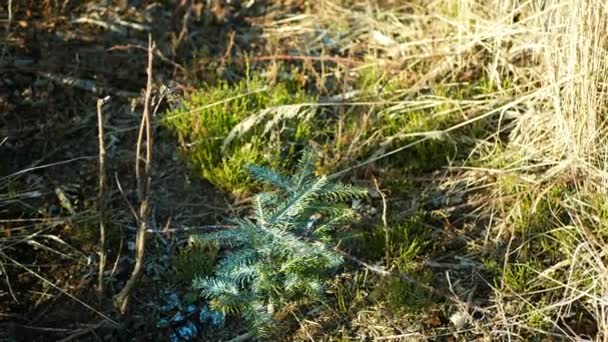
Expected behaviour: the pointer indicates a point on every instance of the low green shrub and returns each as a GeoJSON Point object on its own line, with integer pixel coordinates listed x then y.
{"type": "Point", "coordinates": [196, 259]}
{"type": "Point", "coordinates": [225, 127]}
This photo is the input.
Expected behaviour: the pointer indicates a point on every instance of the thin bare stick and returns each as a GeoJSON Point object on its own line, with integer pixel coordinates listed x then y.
{"type": "Point", "coordinates": [158, 54]}
{"type": "Point", "coordinates": [8, 283]}
{"type": "Point", "coordinates": [118, 255]}
{"type": "Point", "coordinates": [191, 230]}
{"type": "Point", "coordinates": [10, 13]}
{"type": "Point", "coordinates": [101, 204]}
{"type": "Point", "coordinates": [120, 246]}
{"type": "Point", "coordinates": [34, 168]}
{"type": "Point", "coordinates": [143, 189]}
{"type": "Point", "coordinates": [339, 60]}
{"type": "Point", "coordinates": [387, 238]}
{"type": "Point", "coordinates": [124, 197]}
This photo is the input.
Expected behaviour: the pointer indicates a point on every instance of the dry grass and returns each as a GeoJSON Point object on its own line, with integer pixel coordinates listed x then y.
{"type": "Point", "coordinates": [561, 140]}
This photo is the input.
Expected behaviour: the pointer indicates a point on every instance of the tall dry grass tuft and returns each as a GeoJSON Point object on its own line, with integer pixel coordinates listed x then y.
{"type": "Point", "coordinates": [562, 138]}
{"type": "Point", "coordinates": [576, 56]}
{"type": "Point", "coordinates": [576, 61]}
{"type": "Point", "coordinates": [567, 128]}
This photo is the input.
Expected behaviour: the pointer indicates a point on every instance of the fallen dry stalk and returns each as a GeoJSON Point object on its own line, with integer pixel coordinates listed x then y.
{"type": "Point", "coordinates": [143, 188]}
{"type": "Point", "coordinates": [102, 191]}
{"type": "Point", "coordinates": [387, 238]}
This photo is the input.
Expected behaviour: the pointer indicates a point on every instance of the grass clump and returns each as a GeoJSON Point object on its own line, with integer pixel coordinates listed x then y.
{"type": "Point", "coordinates": [401, 296]}
{"type": "Point", "coordinates": [400, 252]}
{"type": "Point", "coordinates": [206, 124]}
{"type": "Point", "coordinates": [406, 240]}
{"type": "Point", "coordinates": [195, 260]}
{"type": "Point", "coordinates": [278, 256]}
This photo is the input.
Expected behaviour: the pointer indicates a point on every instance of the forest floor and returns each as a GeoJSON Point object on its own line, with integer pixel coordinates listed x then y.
{"type": "Point", "coordinates": [460, 239]}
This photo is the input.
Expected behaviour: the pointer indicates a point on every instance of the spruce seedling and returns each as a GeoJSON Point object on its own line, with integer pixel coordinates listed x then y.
{"type": "Point", "coordinates": [279, 256]}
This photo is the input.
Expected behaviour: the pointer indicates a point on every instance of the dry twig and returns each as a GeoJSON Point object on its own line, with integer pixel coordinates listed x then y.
{"type": "Point", "coordinates": [143, 188]}
{"type": "Point", "coordinates": [387, 238]}
{"type": "Point", "coordinates": [102, 191]}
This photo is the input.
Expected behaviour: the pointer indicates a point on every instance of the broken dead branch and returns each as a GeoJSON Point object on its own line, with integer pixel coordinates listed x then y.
{"type": "Point", "coordinates": [143, 187]}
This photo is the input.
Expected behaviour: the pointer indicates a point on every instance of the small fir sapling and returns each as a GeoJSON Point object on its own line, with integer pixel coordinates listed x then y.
{"type": "Point", "coordinates": [279, 255]}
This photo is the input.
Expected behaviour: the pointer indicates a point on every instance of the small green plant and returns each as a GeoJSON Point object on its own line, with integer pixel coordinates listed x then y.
{"type": "Point", "coordinates": [225, 127]}
{"type": "Point", "coordinates": [197, 259]}
{"type": "Point", "coordinates": [407, 240]}
{"type": "Point", "coordinates": [279, 256]}
{"type": "Point", "coordinates": [401, 296]}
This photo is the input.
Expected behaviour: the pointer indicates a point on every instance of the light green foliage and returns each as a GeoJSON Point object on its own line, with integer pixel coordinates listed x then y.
{"type": "Point", "coordinates": [225, 127]}
{"type": "Point", "coordinates": [208, 117]}
{"type": "Point", "coordinates": [402, 296]}
{"type": "Point", "coordinates": [518, 277]}
{"type": "Point", "coordinates": [406, 241]}
{"type": "Point", "coordinates": [426, 115]}
{"type": "Point", "coordinates": [278, 256]}
{"type": "Point", "coordinates": [537, 223]}
{"type": "Point", "coordinates": [599, 207]}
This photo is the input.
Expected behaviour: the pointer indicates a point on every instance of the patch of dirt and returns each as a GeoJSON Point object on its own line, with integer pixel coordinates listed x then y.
{"type": "Point", "coordinates": [59, 58]}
